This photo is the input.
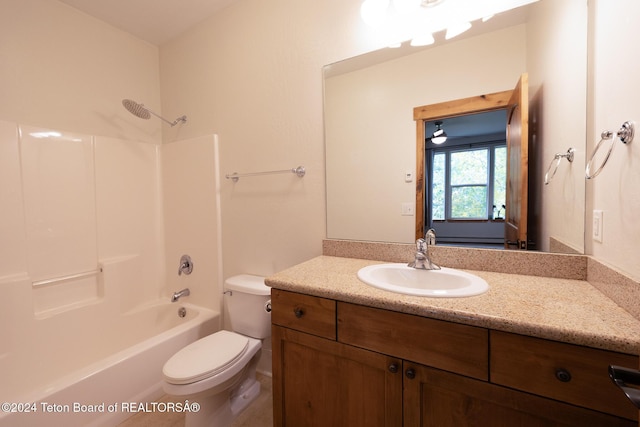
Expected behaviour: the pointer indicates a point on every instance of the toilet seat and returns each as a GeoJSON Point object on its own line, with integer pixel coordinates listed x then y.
{"type": "Point", "coordinates": [205, 357]}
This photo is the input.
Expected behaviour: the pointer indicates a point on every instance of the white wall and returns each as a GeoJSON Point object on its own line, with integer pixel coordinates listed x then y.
{"type": "Point", "coordinates": [614, 87]}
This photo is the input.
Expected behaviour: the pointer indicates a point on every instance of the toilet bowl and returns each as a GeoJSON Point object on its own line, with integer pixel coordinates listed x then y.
{"type": "Point", "coordinates": [218, 372]}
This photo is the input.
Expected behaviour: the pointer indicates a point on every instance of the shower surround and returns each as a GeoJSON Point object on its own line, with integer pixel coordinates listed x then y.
{"type": "Point", "coordinates": [84, 251]}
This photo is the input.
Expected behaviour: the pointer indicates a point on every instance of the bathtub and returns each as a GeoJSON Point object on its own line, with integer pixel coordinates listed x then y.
{"type": "Point", "coordinates": [124, 377]}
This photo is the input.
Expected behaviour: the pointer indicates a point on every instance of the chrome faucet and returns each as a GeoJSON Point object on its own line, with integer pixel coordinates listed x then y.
{"type": "Point", "coordinates": [183, 293]}
{"type": "Point", "coordinates": [186, 265]}
{"type": "Point", "coordinates": [422, 260]}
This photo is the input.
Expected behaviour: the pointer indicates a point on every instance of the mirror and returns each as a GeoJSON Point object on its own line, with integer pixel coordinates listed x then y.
{"type": "Point", "coordinates": [371, 137]}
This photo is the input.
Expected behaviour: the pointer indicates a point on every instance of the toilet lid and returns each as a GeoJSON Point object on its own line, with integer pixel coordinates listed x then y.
{"type": "Point", "coordinates": [205, 357]}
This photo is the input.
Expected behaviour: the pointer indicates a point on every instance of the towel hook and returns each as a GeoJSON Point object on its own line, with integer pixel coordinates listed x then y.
{"type": "Point", "coordinates": [625, 134]}
{"type": "Point", "coordinates": [569, 155]}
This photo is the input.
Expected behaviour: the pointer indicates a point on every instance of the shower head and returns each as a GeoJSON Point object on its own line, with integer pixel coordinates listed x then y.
{"type": "Point", "coordinates": [136, 109]}
{"type": "Point", "coordinates": [139, 110]}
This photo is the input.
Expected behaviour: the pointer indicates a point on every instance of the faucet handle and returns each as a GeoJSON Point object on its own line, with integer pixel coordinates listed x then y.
{"type": "Point", "coordinates": [430, 237]}
{"type": "Point", "coordinates": [186, 265]}
{"type": "Point", "coordinates": [421, 245]}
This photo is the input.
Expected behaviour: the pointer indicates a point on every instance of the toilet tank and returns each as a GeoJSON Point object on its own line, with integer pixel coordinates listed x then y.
{"type": "Point", "coordinates": [247, 297]}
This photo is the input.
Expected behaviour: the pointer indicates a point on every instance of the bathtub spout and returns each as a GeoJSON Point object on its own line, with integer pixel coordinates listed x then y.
{"type": "Point", "coordinates": [177, 295]}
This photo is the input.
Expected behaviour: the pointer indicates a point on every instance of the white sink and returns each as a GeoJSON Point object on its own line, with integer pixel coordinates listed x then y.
{"type": "Point", "coordinates": [402, 279]}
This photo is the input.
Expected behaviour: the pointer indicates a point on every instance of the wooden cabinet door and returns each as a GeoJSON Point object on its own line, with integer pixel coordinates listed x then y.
{"type": "Point", "coordinates": [434, 398]}
{"type": "Point", "coordinates": [320, 382]}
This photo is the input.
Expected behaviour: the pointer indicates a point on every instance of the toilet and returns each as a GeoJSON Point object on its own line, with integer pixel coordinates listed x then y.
{"type": "Point", "coordinates": [219, 371]}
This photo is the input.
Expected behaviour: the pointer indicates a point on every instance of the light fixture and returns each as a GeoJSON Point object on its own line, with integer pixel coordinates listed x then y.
{"type": "Point", "coordinates": [430, 3]}
{"type": "Point", "coordinates": [374, 12]}
{"type": "Point", "coordinates": [439, 136]}
{"type": "Point", "coordinates": [402, 20]}
{"type": "Point", "coordinates": [456, 29]}
{"type": "Point", "coordinates": [423, 40]}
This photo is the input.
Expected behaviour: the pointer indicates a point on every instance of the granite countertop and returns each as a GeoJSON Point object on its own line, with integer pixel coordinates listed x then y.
{"type": "Point", "coordinates": [566, 310]}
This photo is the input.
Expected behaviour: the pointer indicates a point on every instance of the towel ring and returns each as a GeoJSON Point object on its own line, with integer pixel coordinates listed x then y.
{"type": "Point", "coordinates": [557, 159]}
{"type": "Point", "coordinates": [625, 133]}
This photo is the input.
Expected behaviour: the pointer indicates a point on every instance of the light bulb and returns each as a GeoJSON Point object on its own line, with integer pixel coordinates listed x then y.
{"type": "Point", "coordinates": [422, 40]}
{"type": "Point", "coordinates": [457, 29]}
{"type": "Point", "coordinates": [406, 6]}
{"type": "Point", "coordinates": [374, 12]}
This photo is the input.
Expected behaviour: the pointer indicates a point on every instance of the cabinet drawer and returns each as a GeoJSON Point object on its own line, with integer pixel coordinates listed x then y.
{"type": "Point", "coordinates": [444, 345]}
{"type": "Point", "coordinates": [304, 313]}
{"type": "Point", "coordinates": [567, 372]}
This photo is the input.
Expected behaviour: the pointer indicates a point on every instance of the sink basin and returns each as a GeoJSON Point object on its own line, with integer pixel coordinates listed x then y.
{"type": "Point", "coordinates": [400, 278]}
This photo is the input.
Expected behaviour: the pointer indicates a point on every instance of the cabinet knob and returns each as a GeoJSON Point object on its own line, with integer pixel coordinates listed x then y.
{"type": "Point", "coordinates": [298, 312]}
{"type": "Point", "coordinates": [563, 375]}
{"type": "Point", "coordinates": [410, 373]}
{"type": "Point", "coordinates": [393, 368]}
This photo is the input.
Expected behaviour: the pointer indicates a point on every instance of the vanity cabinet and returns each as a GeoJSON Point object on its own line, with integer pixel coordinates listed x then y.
{"type": "Point", "coordinates": [365, 366]}
{"type": "Point", "coordinates": [318, 381]}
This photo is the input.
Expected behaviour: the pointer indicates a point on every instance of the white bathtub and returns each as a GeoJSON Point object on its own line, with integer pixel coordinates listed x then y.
{"type": "Point", "coordinates": [124, 376]}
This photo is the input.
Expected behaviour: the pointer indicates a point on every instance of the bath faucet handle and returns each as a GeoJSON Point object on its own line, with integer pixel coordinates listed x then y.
{"type": "Point", "coordinates": [421, 245]}
{"type": "Point", "coordinates": [186, 265]}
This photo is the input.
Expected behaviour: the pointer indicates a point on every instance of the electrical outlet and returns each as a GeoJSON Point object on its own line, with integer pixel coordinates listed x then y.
{"type": "Point", "coordinates": [407, 209]}
{"type": "Point", "coordinates": [408, 176]}
{"type": "Point", "coordinates": [597, 225]}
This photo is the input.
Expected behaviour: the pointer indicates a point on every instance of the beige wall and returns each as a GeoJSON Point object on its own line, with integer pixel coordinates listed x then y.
{"type": "Point", "coordinates": [557, 63]}
{"type": "Point", "coordinates": [614, 87]}
{"type": "Point", "coordinates": [65, 70]}
{"type": "Point", "coordinates": [253, 74]}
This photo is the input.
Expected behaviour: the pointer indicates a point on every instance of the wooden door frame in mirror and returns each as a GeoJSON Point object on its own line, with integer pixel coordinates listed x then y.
{"type": "Point", "coordinates": [425, 113]}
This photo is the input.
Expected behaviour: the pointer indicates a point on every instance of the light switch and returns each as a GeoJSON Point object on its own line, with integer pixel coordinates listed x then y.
{"type": "Point", "coordinates": [597, 226]}
{"type": "Point", "coordinates": [407, 209]}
